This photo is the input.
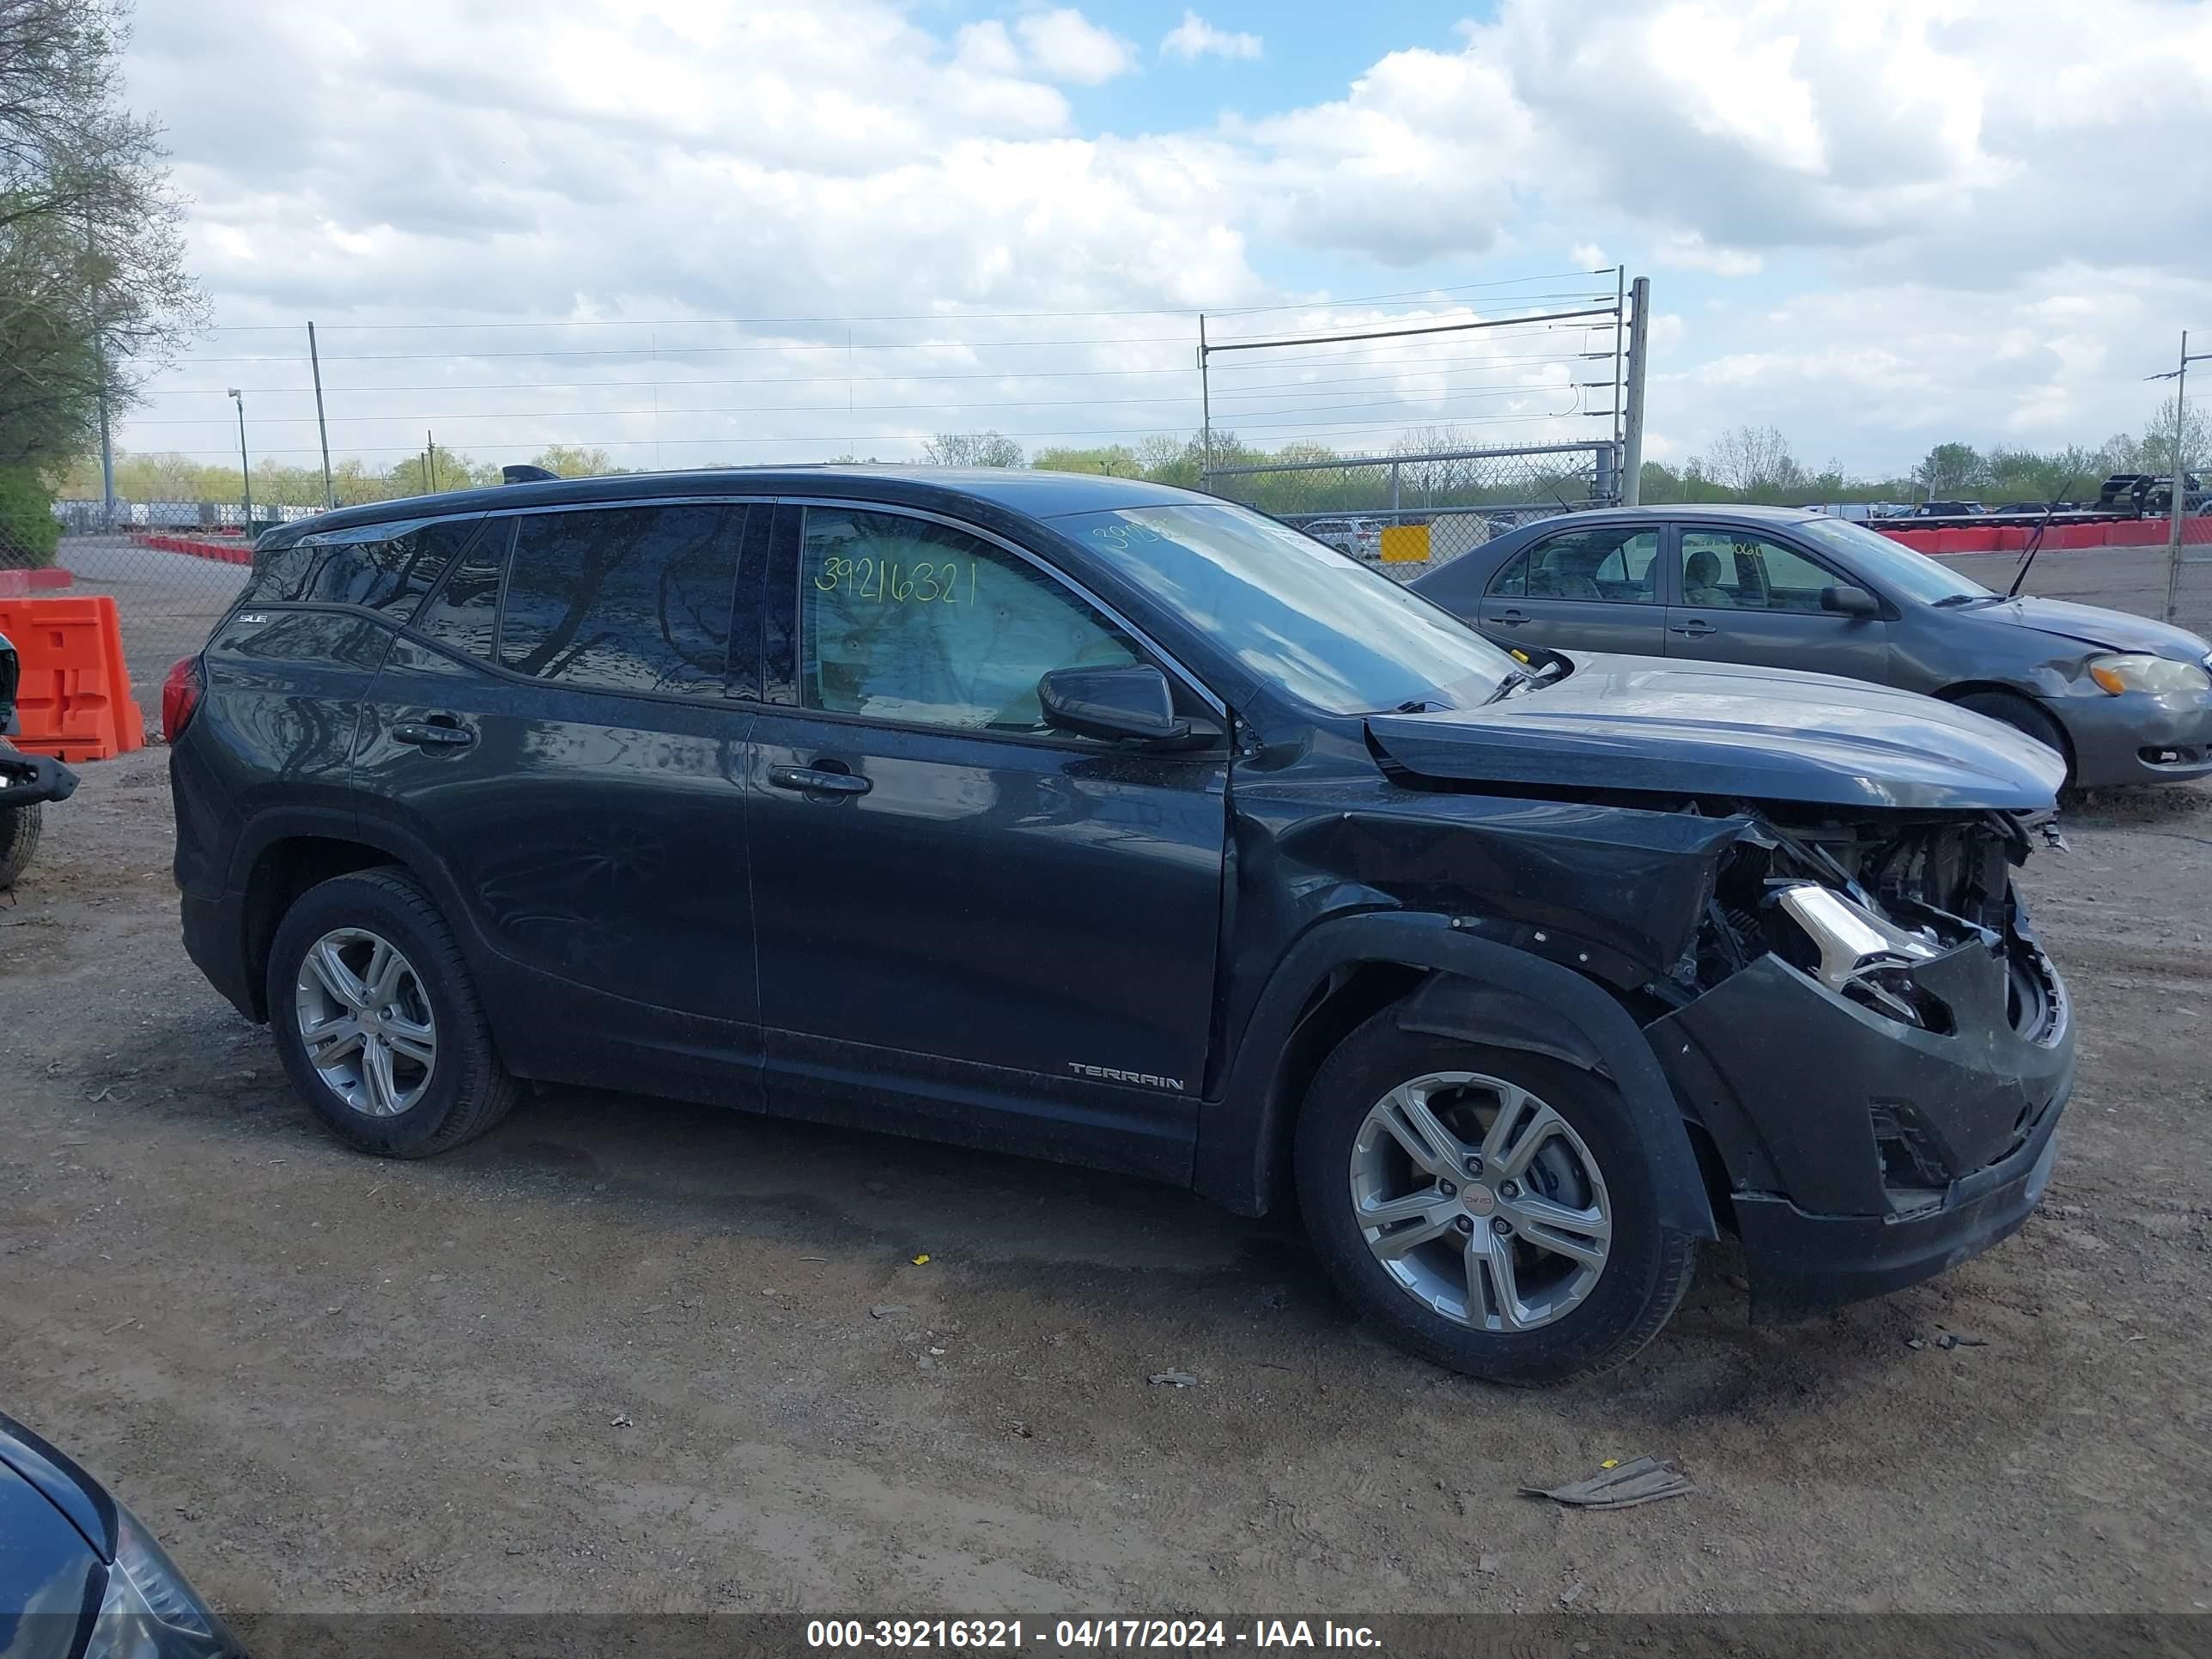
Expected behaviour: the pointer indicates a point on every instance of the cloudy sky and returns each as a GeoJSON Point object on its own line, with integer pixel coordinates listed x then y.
{"type": "Point", "coordinates": [706, 230]}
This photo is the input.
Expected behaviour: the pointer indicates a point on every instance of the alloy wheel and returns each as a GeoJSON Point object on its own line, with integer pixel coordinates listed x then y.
{"type": "Point", "coordinates": [365, 1022]}
{"type": "Point", "coordinates": [1481, 1201]}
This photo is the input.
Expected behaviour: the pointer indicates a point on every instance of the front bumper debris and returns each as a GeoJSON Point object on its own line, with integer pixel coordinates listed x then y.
{"type": "Point", "coordinates": [25, 779]}
{"type": "Point", "coordinates": [1862, 1153]}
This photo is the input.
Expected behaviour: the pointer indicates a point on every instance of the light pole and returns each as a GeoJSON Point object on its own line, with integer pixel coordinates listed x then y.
{"type": "Point", "coordinates": [245, 472]}
{"type": "Point", "coordinates": [2178, 506]}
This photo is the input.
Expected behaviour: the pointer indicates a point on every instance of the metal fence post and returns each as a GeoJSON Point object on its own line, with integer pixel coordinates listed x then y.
{"type": "Point", "coordinates": [1393, 490]}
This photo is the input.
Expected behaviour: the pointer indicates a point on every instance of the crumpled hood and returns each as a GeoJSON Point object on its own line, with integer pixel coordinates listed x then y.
{"type": "Point", "coordinates": [2114, 630]}
{"type": "Point", "coordinates": [1649, 724]}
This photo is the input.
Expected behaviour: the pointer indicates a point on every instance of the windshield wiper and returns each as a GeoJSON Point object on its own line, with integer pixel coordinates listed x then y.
{"type": "Point", "coordinates": [1955, 601]}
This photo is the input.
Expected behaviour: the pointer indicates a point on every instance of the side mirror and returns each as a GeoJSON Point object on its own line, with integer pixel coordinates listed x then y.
{"type": "Point", "coordinates": [1850, 601]}
{"type": "Point", "coordinates": [1130, 702]}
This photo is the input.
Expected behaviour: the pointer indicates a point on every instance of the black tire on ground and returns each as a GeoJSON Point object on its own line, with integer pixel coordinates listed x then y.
{"type": "Point", "coordinates": [2024, 717]}
{"type": "Point", "coordinates": [1650, 1264]}
{"type": "Point", "coordinates": [20, 828]}
{"type": "Point", "coordinates": [467, 1091]}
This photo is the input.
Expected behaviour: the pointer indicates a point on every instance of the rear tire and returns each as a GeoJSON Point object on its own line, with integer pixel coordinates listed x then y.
{"type": "Point", "coordinates": [2010, 708]}
{"type": "Point", "coordinates": [402, 1064]}
{"type": "Point", "coordinates": [1575, 1184]}
{"type": "Point", "coordinates": [19, 828]}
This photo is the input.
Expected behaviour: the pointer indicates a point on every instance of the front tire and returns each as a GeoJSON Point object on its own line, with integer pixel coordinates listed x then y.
{"type": "Point", "coordinates": [19, 828]}
{"type": "Point", "coordinates": [1493, 1211]}
{"type": "Point", "coordinates": [376, 1021]}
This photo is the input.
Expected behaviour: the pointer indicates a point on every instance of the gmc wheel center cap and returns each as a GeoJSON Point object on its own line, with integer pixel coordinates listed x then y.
{"type": "Point", "coordinates": [1479, 1199]}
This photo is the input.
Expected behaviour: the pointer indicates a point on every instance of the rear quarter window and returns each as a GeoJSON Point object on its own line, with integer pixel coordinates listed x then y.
{"type": "Point", "coordinates": [385, 567]}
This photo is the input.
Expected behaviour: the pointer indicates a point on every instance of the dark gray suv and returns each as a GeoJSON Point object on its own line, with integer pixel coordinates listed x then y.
{"type": "Point", "coordinates": [2124, 699]}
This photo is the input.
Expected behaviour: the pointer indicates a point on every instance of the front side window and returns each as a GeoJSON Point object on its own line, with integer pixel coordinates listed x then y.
{"type": "Point", "coordinates": [907, 620]}
{"type": "Point", "coordinates": [634, 598]}
{"type": "Point", "coordinates": [1735, 570]}
{"type": "Point", "coordinates": [1328, 629]}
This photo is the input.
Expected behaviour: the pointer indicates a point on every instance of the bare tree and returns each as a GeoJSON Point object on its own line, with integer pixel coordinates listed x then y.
{"type": "Point", "coordinates": [972, 449]}
{"type": "Point", "coordinates": [1751, 458]}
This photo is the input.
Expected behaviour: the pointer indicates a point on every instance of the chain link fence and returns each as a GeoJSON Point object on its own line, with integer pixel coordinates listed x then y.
{"type": "Point", "coordinates": [1408, 513]}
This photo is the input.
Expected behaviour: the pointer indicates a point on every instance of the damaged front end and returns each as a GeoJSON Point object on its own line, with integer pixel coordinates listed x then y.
{"type": "Point", "coordinates": [1876, 1044]}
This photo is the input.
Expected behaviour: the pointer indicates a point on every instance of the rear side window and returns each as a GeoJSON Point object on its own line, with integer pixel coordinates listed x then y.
{"type": "Point", "coordinates": [386, 567]}
{"type": "Point", "coordinates": [630, 598]}
{"type": "Point", "coordinates": [1512, 578]}
{"type": "Point", "coordinates": [464, 615]}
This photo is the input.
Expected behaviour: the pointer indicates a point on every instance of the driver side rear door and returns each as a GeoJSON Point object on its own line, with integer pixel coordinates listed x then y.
{"type": "Point", "coordinates": [1591, 587]}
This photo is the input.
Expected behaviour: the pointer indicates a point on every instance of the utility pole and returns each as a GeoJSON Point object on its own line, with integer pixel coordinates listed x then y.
{"type": "Point", "coordinates": [245, 472]}
{"type": "Point", "coordinates": [100, 368]}
{"type": "Point", "coordinates": [2179, 507]}
{"type": "Point", "coordinates": [1205, 409]}
{"type": "Point", "coordinates": [429, 464]}
{"type": "Point", "coordinates": [1631, 427]}
{"type": "Point", "coordinates": [329, 495]}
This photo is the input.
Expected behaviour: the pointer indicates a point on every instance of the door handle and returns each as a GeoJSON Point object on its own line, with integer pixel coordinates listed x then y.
{"type": "Point", "coordinates": [1511, 618]}
{"type": "Point", "coordinates": [818, 780]}
{"type": "Point", "coordinates": [438, 732]}
{"type": "Point", "coordinates": [1697, 628]}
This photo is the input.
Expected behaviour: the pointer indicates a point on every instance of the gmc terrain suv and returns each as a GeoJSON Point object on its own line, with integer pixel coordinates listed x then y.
{"type": "Point", "coordinates": [1089, 818]}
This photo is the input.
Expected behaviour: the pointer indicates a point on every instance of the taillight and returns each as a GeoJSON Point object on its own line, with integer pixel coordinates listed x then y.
{"type": "Point", "coordinates": [180, 698]}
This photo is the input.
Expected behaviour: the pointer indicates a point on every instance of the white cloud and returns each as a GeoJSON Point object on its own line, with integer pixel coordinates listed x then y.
{"type": "Point", "coordinates": [1194, 38]}
{"type": "Point", "coordinates": [1939, 251]}
{"type": "Point", "coordinates": [1065, 45]}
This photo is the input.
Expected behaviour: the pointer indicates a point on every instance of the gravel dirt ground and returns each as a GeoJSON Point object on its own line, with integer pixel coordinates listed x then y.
{"type": "Point", "coordinates": [626, 1355]}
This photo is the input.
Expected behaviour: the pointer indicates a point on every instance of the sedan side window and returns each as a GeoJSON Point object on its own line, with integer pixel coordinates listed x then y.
{"type": "Point", "coordinates": [1615, 564]}
{"type": "Point", "coordinates": [1733, 570]}
{"type": "Point", "coordinates": [1511, 580]}
{"type": "Point", "coordinates": [911, 621]}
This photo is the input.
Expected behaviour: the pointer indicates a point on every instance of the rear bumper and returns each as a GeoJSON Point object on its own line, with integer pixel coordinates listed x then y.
{"type": "Point", "coordinates": [214, 939]}
{"type": "Point", "coordinates": [1803, 1264]}
{"type": "Point", "coordinates": [25, 779]}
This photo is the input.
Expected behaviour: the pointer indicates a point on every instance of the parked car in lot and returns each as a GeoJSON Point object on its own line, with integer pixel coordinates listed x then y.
{"type": "Point", "coordinates": [1360, 538]}
{"type": "Point", "coordinates": [2125, 700]}
{"type": "Point", "coordinates": [1099, 820]}
{"type": "Point", "coordinates": [27, 781]}
{"type": "Point", "coordinates": [81, 1578]}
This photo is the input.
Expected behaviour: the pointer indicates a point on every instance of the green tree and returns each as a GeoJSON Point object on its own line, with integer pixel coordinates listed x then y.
{"type": "Point", "coordinates": [571, 461]}
{"type": "Point", "coordinates": [92, 288]}
{"type": "Point", "coordinates": [1951, 468]}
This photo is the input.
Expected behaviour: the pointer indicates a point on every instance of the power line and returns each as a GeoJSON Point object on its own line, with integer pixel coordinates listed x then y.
{"type": "Point", "coordinates": [1407, 294]}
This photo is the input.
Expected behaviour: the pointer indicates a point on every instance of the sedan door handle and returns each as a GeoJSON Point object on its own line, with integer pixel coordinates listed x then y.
{"type": "Point", "coordinates": [1511, 618]}
{"type": "Point", "coordinates": [1697, 628]}
{"type": "Point", "coordinates": [438, 732]}
{"type": "Point", "coordinates": [815, 781]}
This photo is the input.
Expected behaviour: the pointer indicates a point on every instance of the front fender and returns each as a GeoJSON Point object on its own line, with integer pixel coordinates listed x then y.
{"type": "Point", "coordinates": [1485, 992]}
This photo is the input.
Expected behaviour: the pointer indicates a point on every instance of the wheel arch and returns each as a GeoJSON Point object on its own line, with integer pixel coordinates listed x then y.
{"type": "Point", "coordinates": [1966, 688]}
{"type": "Point", "coordinates": [284, 857]}
{"type": "Point", "coordinates": [1448, 983]}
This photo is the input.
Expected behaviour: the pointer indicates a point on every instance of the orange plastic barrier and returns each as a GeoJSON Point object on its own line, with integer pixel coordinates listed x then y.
{"type": "Point", "coordinates": [75, 698]}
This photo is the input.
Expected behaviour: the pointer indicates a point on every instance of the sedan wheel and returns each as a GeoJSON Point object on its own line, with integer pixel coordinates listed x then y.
{"type": "Point", "coordinates": [365, 1022]}
{"type": "Point", "coordinates": [1481, 1201]}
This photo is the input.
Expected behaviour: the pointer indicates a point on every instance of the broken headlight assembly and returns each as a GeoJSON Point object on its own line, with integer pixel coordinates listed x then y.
{"type": "Point", "coordinates": [1863, 955]}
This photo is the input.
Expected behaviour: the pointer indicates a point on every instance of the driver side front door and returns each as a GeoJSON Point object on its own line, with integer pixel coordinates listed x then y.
{"type": "Point", "coordinates": [1002, 934]}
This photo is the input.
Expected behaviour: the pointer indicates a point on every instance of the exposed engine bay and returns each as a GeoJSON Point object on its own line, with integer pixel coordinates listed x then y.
{"type": "Point", "coordinates": [1857, 903]}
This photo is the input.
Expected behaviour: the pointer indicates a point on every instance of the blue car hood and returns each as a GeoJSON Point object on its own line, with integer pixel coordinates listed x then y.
{"type": "Point", "coordinates": [2115, 630]}
{"type": "Point", "coordinates": [1649, 724]}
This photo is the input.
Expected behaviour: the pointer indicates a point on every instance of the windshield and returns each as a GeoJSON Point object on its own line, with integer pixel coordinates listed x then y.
{"type": "Point", "coordinates": [1914, 574]}
{"type": "Point", "coordinates": [1300, 616]}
